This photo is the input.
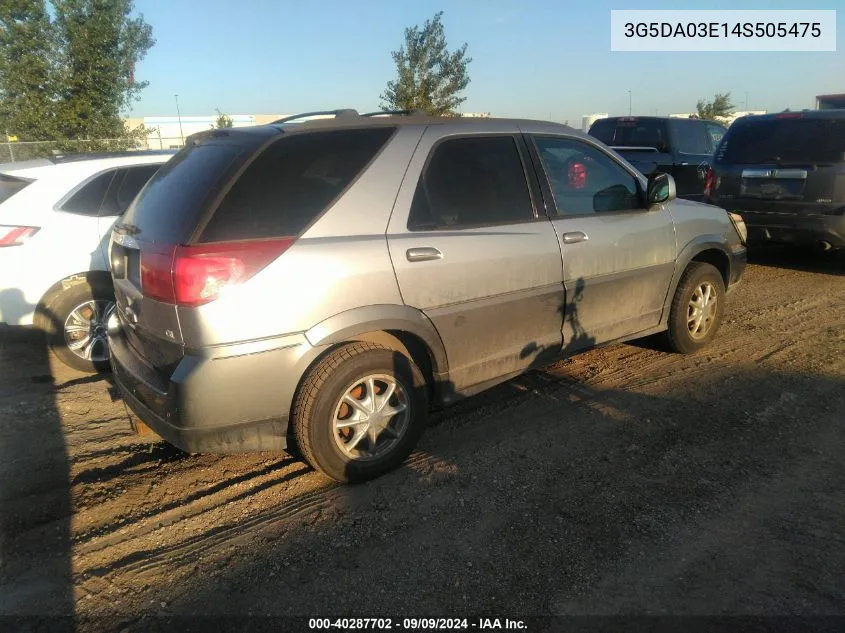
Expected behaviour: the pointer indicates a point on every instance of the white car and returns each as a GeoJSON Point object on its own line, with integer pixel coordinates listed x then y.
{"type": "Point", "coordinates": [56, 216]}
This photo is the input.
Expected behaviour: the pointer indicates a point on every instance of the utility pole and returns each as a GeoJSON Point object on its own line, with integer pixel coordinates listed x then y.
{"type": "Point", "coordinates": [179, 115]}
{"type": "Point", "coordinates": [629, 103]}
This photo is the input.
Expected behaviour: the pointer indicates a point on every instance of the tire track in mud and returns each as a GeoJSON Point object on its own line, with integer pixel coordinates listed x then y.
{"type": "Point", "coordinates": [150, 520]}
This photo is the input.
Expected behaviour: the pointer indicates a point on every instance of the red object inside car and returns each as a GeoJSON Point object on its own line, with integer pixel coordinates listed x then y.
{"type": "Point", "coordinates": [577, 175]}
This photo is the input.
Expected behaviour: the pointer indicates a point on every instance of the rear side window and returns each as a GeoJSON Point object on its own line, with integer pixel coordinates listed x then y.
{"type": "Point", "coordinates": [292, 182]}
{"type": "Point", "coordinates": [9, 186]}
{"type": "Point", "coordinates": [690, 136]}
{"type": "Point", "coordinates": [87, 200]}
{"type": "Point", "coordinates": [472, 181]}
{"type": "Point", "coordinates": [784, 141]}
{"type": "Point", "coordinates": [170, 206]}
{"type": "Point", "coordinates": [631, 133]}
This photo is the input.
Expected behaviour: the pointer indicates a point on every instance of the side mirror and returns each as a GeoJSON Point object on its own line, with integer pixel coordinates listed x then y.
{"type": "Point", "coordinates": [661, 188]}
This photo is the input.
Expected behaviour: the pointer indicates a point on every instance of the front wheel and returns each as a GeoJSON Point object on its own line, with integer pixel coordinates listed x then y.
{"type": "Point", "coordinates": [697, 308]}
{"type": "Point", "coordinates": [360, 412]}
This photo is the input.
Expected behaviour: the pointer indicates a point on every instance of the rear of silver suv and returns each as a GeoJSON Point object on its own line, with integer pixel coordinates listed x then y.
{"type": "Point", "coordinates": [333, 281]}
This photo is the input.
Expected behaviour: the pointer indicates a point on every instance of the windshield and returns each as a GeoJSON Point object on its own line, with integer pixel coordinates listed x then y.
{"type": "Point", "coordinates": [784, 141]}
{"type": "Point", "coordinates": [9, 186]}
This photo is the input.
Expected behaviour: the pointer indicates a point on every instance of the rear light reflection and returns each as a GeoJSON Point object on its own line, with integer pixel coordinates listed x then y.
{"type": "Point", "coordinates": [195, 275]}
{"type": "Point", "coordinates": [16, 235]}
{"type": "Point", "coordinates": [708, 182]}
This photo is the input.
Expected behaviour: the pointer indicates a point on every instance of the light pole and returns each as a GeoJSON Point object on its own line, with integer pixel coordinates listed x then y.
{"type": "Point", "coordinates": [179, 115]}
{"type": "Point", "coordinates": [629, 103]}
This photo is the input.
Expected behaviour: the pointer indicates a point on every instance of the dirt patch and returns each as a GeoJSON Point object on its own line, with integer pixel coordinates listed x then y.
{"type": "Point", "coordinates": [625, 480]}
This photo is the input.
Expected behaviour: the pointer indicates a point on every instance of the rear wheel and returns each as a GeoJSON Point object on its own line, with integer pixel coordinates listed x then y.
{"type": "Point", "coordinates": [77, 329]}
{"type": "Point", "coordinates": [360, 412]}
{"type": "Point", "coordinates": [697, 308]}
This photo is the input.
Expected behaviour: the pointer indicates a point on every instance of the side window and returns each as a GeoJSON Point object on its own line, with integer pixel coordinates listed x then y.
{"type": "Point", "coordinates": [292, 182]}
{"type": "Point", "coordinates": [690, 136]}
{"type": "Point", "coordinates": [471, 181]}
{"type": "Point", "coordinates": [585, 180]}
{"type": "Point", "coordinates": [133, 182]}
{"type": "Point", "coordinates": [88, 199]}
{"type": "Point", "coordinates": [716, 133]}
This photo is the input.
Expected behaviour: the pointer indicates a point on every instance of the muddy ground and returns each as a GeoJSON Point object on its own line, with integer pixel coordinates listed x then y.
{"type": "Point", "coordinates": [623, 481]}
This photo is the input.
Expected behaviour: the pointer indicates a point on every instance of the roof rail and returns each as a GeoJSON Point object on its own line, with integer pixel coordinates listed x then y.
{"type": "Point", "coordinates": [415, 111]}
{"type": "Point", "coordinates": [336, 113]}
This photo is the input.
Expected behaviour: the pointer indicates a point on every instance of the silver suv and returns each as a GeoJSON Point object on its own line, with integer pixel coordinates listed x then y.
{"type": "Point", "coordinates": [332, 281]}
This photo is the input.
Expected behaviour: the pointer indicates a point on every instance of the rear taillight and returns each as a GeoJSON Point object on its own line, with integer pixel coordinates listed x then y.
{"type": "Point", "coordinates": [194, 275]}
{"type": "Point", "coordinates": [16, 235]}
{"type": "Point", "coordinates": [708, 182]}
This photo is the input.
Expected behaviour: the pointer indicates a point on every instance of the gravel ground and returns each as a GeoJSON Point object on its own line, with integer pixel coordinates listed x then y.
{"type": "Point", "coordinates": [623, 481]}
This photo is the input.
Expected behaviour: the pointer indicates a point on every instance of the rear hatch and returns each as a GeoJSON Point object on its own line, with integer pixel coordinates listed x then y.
{"type": "Point", "coordinates": [642, 141]}
{"type": "Point", "coordinates": [164, 215]}
{"type": "Point", "coordinates": [216, 214]}
{"type": "Point", "coordinates": [784, 165]}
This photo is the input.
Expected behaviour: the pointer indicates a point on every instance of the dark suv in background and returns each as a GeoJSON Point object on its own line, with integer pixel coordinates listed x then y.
{"type": "Point", "coordinates": [682, 148]}
{"type": "Point", "coordinates": [785, 174]}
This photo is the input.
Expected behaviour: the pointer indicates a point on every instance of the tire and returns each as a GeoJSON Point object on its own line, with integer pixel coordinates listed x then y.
{"type": "Point", "coordinates": [681, 335]}
{"type": "Point", "coordinates": [319, 406]}
{"type": "Point", "coordinates": [70, 309]}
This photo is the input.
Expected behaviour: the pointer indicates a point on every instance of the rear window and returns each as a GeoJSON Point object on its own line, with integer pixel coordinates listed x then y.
{"type": "Point", "coordinates": [782, 141]}
{"type": "Point", "coordinates": [292, 182]}
{"type": "Point", "coordinates": [9, 186]}
{"type": "Point", "coordinates": [690, 137]}
{"type": "Point", "coordinates": [170, 206]}
{"type": "Point", "coordinates": [631, 133]}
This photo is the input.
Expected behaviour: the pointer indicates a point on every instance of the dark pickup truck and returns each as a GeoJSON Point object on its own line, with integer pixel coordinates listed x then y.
{"type": "Point", "coordinates": [680, 147]}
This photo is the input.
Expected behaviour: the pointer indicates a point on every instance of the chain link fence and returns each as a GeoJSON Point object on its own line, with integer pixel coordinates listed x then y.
{"type": "Point", "coordinates": [27, 150]}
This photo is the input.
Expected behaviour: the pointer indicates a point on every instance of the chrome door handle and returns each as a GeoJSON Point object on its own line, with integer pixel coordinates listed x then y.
{"type": "Point", "coordinates": [423, 254]}
{"type": "Point", "coordinates": [574, 237]}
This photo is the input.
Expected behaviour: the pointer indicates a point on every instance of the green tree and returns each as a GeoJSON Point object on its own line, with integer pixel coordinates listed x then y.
{"type": "Point", "coordinates": [223, 120]}
{"type": "Point", "coordinates": [100, 44]}
{"type": "Point", "coordinates": [429, 77]}
{"type": "Point", "coordinates": [71, 76]}
{"type": "Point", "coordinates": [720, 107]}
{"type": "Point", "coordinates": [27, 70]}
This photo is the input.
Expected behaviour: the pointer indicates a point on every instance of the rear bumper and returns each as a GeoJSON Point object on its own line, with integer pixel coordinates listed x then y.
{"type": "Point", "coordinates": [228, 400]}
{"type": "Point", "coordinates": [795, 228]}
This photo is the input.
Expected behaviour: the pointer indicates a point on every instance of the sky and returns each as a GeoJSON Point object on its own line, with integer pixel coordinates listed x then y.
{"type": "Point", "coordinates": [535, 59]}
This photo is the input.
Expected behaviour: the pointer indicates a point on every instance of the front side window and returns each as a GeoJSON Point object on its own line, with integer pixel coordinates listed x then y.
{"type": "Point", "coordinates": [472, 181]}
{"type": "Point", "coordinates": [585, 180]}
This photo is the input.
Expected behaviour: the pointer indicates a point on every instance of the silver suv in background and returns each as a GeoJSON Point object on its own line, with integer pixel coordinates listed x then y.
{"type": "Point", "coordinates": [331, 282]}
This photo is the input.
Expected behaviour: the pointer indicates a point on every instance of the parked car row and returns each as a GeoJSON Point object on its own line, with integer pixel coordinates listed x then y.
{"type": "Point", "coordinates": [328, 283]}
{"type": "Point", "coordinates": [783, 173]}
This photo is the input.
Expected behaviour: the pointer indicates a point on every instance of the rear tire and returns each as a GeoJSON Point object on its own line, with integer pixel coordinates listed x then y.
{"type": "Point", "coordinates": [697, 308]}
{"type": "Point", "coordinates": [360, 411]}
{"type": "Point", "coordinates": [75, 320]}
